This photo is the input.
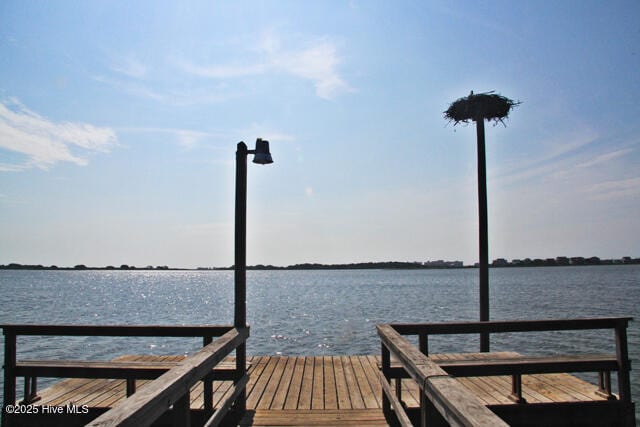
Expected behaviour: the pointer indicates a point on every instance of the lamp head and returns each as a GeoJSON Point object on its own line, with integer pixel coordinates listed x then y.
{"type": "Point", "coordinates": [262, 154]}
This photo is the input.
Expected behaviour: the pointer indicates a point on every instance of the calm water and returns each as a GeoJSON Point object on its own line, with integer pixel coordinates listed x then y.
{"type": "Point", "coordinates": [318, 312]}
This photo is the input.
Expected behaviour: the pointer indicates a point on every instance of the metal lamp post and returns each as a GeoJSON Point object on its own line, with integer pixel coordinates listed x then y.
{"type": "Point", "coordinates": [261, 156]}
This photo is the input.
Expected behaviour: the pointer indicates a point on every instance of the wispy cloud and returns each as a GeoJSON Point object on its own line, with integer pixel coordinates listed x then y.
{"type": "Point", "coordinates": [603, 158]}
{"type": "Point", "coordinates": [185, 138]}
{"type": "Point", "coordinates": [317, 62]}
{"type": "Point", "coordinates": [192, 139]}
{"type": "Point", "coordinates": [175, 96]}
{"type": "Point", "coordinates": [222, 71]}
{"type": "Point", "coordinates": [557, 155]}
{"type": "Point", "coordinates": [129, 66]}
{"type": "Point", "coordinates": [45, 142]}
{"type": "Point", "coordinates": [615, 189]}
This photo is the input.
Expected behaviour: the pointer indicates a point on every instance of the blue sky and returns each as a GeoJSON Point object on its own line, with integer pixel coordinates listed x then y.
{"type": "Point", "coordinates": [119, 123]}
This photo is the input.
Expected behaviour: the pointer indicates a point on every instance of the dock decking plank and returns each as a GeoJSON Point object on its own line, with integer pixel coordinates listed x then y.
{"type": "Point", "coordinates": [317, 394]}
{"type": "Point", "coordinates": [352, 383]}
{"type": "Point", "coordinates": [306, 388]}
{"type": "Point", "coordinates": [368, 394]}
{"type": "Point", "coordinates": [273, 383]}
{"type": "Point", "coordinates": [280, 394]}
{"type": "Point", "coordinates": [293, 393]}
{"type": "Point", "coordinates": [255, 396]}
{"type": "Point", "coordinates": [330, 390]}
{"type": "Point", "coordinates": [327, 417]}
{"type": "Point", "coordinates": [342, 390]}
{"type": "Point", "coordinates": [370, 366]}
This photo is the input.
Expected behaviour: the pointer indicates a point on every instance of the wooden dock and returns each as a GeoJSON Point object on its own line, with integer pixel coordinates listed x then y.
{"type": "Point", "coordinates": [319, 390]}
{"type": "Point", "coordinates": [404, 385]}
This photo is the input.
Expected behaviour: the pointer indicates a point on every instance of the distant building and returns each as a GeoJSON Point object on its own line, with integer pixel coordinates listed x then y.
{"type": "Point", "coordinates": [500, 262]}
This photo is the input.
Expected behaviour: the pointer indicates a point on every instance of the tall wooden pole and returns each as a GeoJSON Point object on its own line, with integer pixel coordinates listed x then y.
{"type": "Point", "coordinates": [240, 266]}
{"type": "Point", "coordinates": [483, 233]}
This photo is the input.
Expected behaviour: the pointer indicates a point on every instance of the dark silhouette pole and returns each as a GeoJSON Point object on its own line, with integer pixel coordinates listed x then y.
{"type": "Point", "coordinates": [483, 233]}
{"type": "Point", "coordinates": [262, 156]}
{"type": "Point", "coordinates": [240, 266]}
{"type": "Point", "coordinates": [477, 108]}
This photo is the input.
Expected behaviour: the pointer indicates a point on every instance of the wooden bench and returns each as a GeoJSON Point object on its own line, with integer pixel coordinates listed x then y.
{"type": "Point", "coordinates": [114, 369]}
{"type": "Point", "coordinates": [505, 363]}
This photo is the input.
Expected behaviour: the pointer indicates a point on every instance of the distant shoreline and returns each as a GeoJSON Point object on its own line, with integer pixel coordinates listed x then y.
{"type": "Point", "coordinates": [392, 265]}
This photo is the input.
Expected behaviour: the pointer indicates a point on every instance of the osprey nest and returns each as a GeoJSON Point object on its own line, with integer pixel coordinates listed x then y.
{"type": "Point", "coordinates": [487, 105]}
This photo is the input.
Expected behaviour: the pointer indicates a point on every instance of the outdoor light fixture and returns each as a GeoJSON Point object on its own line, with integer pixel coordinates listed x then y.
{"type": "Point", "coordinates": [262, 154]}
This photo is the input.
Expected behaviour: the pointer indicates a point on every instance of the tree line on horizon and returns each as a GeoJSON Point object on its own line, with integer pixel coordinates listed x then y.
{"type": "Point", "coordinates": [385, 265]}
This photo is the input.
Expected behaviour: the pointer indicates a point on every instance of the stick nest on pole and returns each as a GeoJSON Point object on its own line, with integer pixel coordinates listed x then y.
{"type": "Point", "coordinates": [480, 106]}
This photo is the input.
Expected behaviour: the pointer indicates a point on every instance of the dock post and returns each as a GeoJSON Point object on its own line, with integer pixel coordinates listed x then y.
{"type": "Point", "coordinates": [483, 240]}
{"type": "Point", "coordinates": [386, 365]}
{"type": "Point", "coordinates": [622, 354]}
{"type": "Point", "coordinates": [240, 266]}
{"type": "Point", "coordinates": [207, 384]}
{"type": "Point", "coordinates": [9, 373]}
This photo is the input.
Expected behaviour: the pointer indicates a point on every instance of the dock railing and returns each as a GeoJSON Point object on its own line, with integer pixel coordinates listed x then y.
{"type": "Point", "coordinates": [438, 389]}
{"type": "Point", "coordinates": [414, 361]}
{"type": "Point", "coordinates": [182, 375]}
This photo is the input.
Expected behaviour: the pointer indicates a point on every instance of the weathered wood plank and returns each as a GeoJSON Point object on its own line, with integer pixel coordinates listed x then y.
{"type": "Point", "coordinates": [258, 364]}
{"type": "Point", "coordinates": [330, 391]}
{"type": "Point", "coordinates": [355, 396]}
{"type": "Point", "coordinates": [342, 390]}
{"type": "Point", "coordinates": [371, 370]}
{"type": "Point", "coordinates": [368, 395]}
{"type": "Point", "coordinates": [327, 417]}
{"type": "Point", "coordinates": [253, 399]}
{"type": "Point", "coordinates": [280, 394]}
{"type": "Point", "coordinates": [317, 395]}
{"type": "Point", "coordinates": [273, 383]}
{"type": "Point", "coordinates": [306, 389]}
{"type": "Point", "coordinates": [293, 393]}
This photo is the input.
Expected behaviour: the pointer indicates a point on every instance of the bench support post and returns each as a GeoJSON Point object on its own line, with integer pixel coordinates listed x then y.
{"type": "Point", "coordinates": [9, 373]}
{"type": "Point", "coordinates": [516, 389]}
{"type": "Point", "coordinates": [30, 390]}
{"type": "Point", "coordinates": [207, 383]}
{"type": "Point", "coordinates": [604, 385]}
{"type": "Point", "coordinates": [386, 364]}
{"type": "Point", "coordinates": [131, 386]}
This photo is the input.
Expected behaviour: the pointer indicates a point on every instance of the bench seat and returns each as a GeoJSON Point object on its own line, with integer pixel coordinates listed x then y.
{"type": "Point", "coordinates": [508, 363]}
{"type": "Point", "coordinates": [114, 369]}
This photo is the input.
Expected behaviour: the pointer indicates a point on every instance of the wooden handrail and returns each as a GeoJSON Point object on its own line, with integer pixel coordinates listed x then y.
{"type": "Point", "coordinates": [454, 402]}
{"type": "Point", "coordinates": [12, 331]}
{"type": "Point", "coordinates": [446, 328]}
{"type": "Point", "coordinates": [618, 324]}
{"type": "Point", "coordinates": [144, 407]}
{"type": "Point", "coordinates": [117, 330]}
